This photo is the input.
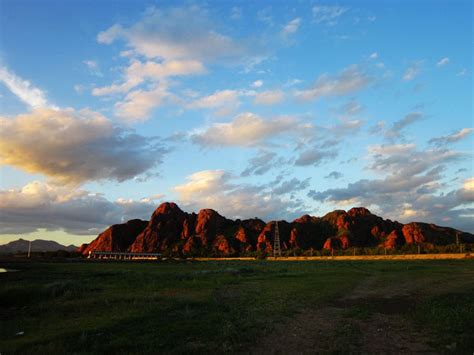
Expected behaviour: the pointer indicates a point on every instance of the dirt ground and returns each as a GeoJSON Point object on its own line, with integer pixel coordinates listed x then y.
{"type": "Point", "coordinates": [368, 320]}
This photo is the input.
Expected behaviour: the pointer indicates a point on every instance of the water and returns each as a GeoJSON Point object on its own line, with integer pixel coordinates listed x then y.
{"type": "Point", "coordinates": [6, 270]}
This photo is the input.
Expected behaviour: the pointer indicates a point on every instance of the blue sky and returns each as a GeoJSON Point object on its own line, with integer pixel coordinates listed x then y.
{"type": "Point", "coordinates": [254, 109]}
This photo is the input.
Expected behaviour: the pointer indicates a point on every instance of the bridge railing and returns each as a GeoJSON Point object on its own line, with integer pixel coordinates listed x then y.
{"type": "Point", "coordinates": [117, 255]}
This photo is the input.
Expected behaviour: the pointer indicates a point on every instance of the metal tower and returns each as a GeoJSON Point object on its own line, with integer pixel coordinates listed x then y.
{"type": "Point", "coordinates": [276, 242]}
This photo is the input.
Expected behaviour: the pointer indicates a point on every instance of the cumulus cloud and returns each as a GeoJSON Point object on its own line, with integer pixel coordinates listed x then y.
{"type": "Point", "coordinates": [38, 205]}
{"type": "Point", "coordinates": [270, 97]}
{"type": "Point", "coordinates": [217, 189]}
{"type": "Point", "coordinates": [245, 130]}
{"type": "Point", "coordinates": [451, 138]}
{"type": "Point", "coordinates": [175, 33]}
{"type": "Point", "coordinates": [442, 62]}
{"type": "Point", "coordinates": [328, 15]}
{"type": "Point", "coordinates": [175, 42]}
{"type": "Point", "coordinates": [223, 102]}
{"type": "Point", "coordinates": [410, 186]}
{"type": "Point", "coordinates": [24, 90]}
{"type": "Point", "coordinates": [291, 27]}
{"type": "Point", "coordinates": [138, 72]}
{"type": "Point", "coordinates": [349, 80]}
{"type": "Point", "coordinates": [75, 146]}
{"type": "Point", "coordinates": [138, 105]}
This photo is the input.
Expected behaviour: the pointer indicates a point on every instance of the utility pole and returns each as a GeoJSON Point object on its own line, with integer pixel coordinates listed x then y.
{"type": "Point", "coordinates": [29, 249]}
{"type": "Point", "coordinates": [457, 243]}
{"type": "Point", "coordinates": [276, 242]}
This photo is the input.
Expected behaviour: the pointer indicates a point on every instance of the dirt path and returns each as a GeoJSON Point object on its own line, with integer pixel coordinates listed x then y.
{"type": "Point", "coordinates": [364, 321]}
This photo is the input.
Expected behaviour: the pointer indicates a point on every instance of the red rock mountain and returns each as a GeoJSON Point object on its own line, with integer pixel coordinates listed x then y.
{"type": "Point", "coordinates": [174, 232]}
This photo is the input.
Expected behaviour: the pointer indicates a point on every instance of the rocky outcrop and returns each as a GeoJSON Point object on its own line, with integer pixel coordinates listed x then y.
{"type": "Point", "coordinates": [163, 231]}
{"type": "Point", "coordinates": [173, 231]}
{"type": "Point", "coordinates": [419, 233]}
{"type": "Point", "coordinates": [118, 237]}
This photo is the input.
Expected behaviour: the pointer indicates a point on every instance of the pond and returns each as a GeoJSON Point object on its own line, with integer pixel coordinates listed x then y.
{"type": "Point", "coordinates": [6, 270]}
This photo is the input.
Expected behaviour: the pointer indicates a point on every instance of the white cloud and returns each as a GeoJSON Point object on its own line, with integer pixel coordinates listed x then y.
{"type": "Point", "coordinates": [93, 67]}
{"type": "Point", "coordinates": [314, 157]}
{"type": "Point", "coordinates": [137, 72]}
{"type": "Point", "coordinates": [291, 27]}
{"type": "Point", "coordinates": [352, 108]}
{"type": "Point", "coordinates": [412, 71]}
{"type": "Point", "coordinates": [263, 162]}
{"type": "Point", "coordinates": [257, 84]}
{"type": "Point", "coordinates": [24, 90]}
{"type": "Point", "coordinates": [442, 62]}
{"type": "Point", "coordinates": [451, 138]}
{"type": "Point", "coordinates": [38, 205]}
{"type": "Point", "coordinates": [398, 126]}
{"type": "Point", "coordinates": [469, 184]}
{"type": "Point", "coordinates": [174, 42]}
{"type": "Point", "coordinates": [411, 186]}
{"type": "Point", "coordinates": [138, 104]}
{"type": "Point", "coordinates": [176, 33]}
{"type": "Point", "coordinates": [247, 129]}
{"type": "Point", "coordinates": [269, 97]}
{"type": "Point", "coordinates": [328, 15]}
{"type": "Point", "coordinates": [217, 99]}
{"type": "Point", "coordinates": [346, 127]}
{"type": "Point", "coordinates": [75, 146]}
{"type": "Point", "coordinates": [374, 55]}
{"type": "Point", "coordinates": [217, 189]}
{"type": "Point", "coordinates": [462, 72]}
{"type": "Point", "coordinates": [350, 80]}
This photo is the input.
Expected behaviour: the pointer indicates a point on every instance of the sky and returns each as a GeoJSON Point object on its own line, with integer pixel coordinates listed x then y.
{"type": "Point", "coordinates": [256, 109]}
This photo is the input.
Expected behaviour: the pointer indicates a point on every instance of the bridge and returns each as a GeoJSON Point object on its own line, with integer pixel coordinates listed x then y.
{"type": "Point", "coordinates": [116, 255]}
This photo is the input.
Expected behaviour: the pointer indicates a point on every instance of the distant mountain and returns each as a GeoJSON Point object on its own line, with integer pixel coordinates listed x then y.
{"type": "Point", "coordinates": [175, 232]}
{"type": "Point", "coordinates": [38, 245]}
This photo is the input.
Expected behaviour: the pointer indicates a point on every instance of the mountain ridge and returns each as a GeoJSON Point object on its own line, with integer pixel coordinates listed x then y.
{"type": "Point", "coordinates": [37, 245]}
{"type": "Point", "coordinates": [175, 232]}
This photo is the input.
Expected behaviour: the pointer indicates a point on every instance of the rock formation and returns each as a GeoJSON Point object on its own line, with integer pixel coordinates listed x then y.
{"type": "Point", "coordinates": [118, 237]}
{"type": "Point", "coordinates": [174, 232]}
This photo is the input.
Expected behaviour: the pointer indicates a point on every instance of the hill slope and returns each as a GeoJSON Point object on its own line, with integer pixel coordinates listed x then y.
{"type": "Point", "coordinates": [37, 245]}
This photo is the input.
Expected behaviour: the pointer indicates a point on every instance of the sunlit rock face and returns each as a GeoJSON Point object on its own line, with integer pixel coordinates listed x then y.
{"type": "Point", "coordinates": [174, 232]}
{"type": "Point", "coordinates": [418, 233]}
{"type": "Point", "coordinates": [163, 231]}
{"type": "Point", "coordinates": [118, 237]}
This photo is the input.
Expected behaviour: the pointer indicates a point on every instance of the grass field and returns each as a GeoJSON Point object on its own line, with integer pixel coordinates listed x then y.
{"type": "Point", "coordinates": [237, 306]}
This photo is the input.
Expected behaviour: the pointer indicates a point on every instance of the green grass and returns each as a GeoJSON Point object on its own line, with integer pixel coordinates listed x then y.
{"type": "Point", "coordinates": [82, 307]}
